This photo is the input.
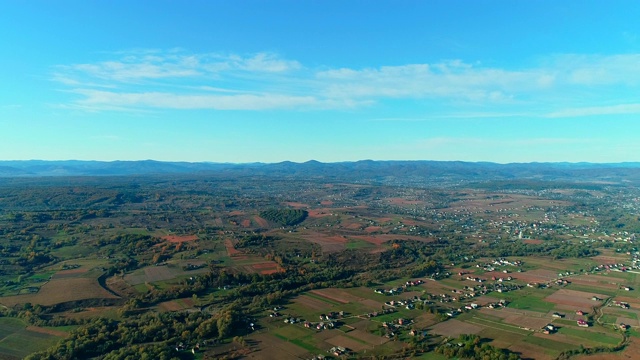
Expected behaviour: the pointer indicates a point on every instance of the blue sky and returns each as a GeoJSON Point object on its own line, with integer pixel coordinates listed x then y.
{"type": "Point", "coordinates": [246, 81]}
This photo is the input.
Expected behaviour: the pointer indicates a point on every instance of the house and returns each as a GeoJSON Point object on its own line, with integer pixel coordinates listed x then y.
{"type": "Point", "coordinates": [557, 315]}
{"type": "Point", "coordinates": [583, 323]}
{"type": "Point", "coordinates": [580, 312]}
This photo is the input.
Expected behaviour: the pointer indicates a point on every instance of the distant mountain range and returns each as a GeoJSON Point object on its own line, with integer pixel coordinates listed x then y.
{"type": "Point", "coordinates": [365, 170]}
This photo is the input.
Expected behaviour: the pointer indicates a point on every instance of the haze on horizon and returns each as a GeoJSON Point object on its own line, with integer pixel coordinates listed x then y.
{"type": "Point", "coordinates": [252, 81]}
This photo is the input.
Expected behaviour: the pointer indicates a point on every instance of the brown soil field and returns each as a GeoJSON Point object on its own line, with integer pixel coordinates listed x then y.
{"type": "Point", "coordinates": [368, 337]}
{"type": "Point", "coordinates": [371, 304]}
{"type": "Point", "coordinates": [326, 202]}
{"type": "Point", "coordinates": [371, 229]}
{"type": "Point", "coordinates": [47, 331]}
{"type": "Point", "coordinates": [595, 281]}
{"type": "Point", "coordinates": [425, 320]}
{"type": "Point", "coordinates": [320, 213]}
{"type": "Point", "coordinates": [120, 286]}
{"type": "Point", "coordinates": [270, 272]}
{"type": "Point", "coordinates": [527, 321]}
{"type": "Point", "coordinates": [351, 344]}
{"type": "Point", "coordinates": [607, 260]}
{"type": "Point", "coordinates": [537, 275]}
{"type": "Point", "coordinates": [454, 328]}
{"type": "Point", "coordinates": [353, 226]}
{"type": "Point", "coordinates": [297, 205]}
{"type": "Point", "coordinates": [384, 220]}
{"type": "Point", "coordinates": [230, 249]}
{"type": "Point", "coordinates": [264, 265]}
{"type": "Point", "coordinates": [311, 303]}
{"type": "Point", "coordinates": [581, 300]}
{"type": "Point", "coordinates": [261, 222]}
{"type": "Point", "coordinates": [180, 239]}
{"type": "Point", "coordinates": [373, 239]}
{"type": "Point", "coordinates": [88, 313]}
{"type": "Point", "coordinates": [495, 312]}
{"type": "Point", "coordinates": [158, 273]}
{"type": "Point", "coordinates": [236, 213]}
{"type": "Point", "coordinates": [176, 305]}
{"type": "Point", "coordinates": [336, 295]}
{"type": "Point", "coordinates": [327, 243]}
{"type": "Point", "coordinates": [273, 348]}
{"type": "Point", "coordinates": [266, 268]}
{"type": "Point", "coordinates": [530, 351]}
{"type": "Point", "coordinates": [527, 313]}
{"type": "Point", "coordinates": [69, 273]}
{"type": "Point", "coordinates": [246, 223]}
{"type": "Point", "coordinates": [168, 306]}
{"type": "Point", "coordinates": [532, 241]}
{"type": "Point", "coordinates": [61, 290]}
{"type": "Point", "coordinates": [411, 222]}
{"type": "Point", "coordinates": [630, 352]}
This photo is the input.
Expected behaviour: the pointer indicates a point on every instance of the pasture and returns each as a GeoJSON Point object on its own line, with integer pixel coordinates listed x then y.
{"type": "Point", "coordinates": [17, 340]}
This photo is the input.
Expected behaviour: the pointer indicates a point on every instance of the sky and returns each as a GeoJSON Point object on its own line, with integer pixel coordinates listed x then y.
{"type": "Point", "coordinates": [268, 81]}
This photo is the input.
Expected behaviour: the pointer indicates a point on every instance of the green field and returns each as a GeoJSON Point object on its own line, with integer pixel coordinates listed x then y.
{"type": "Point", "coordinates": [17, 341]}
{"type": "Point", "coordinates": [533, 303]}
{"type": "Point", "coordinates": [553, 347]}
{"type": "Point", "coordinates": [593, 338]}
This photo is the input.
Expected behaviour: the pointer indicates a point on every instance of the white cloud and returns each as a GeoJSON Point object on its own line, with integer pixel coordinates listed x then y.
{"type": "Point", "coordinates": [159, 100]}
{"type": "Point", "coordinates": [180, 80]}
{"type": "Point", "coordinates": [439, 142]}
{"type": "Point", "coordinates": [597, 110]}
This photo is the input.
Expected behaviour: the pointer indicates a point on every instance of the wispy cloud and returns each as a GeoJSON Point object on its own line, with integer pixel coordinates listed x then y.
{"type": "Point", "coordinates": [176, 79]}
{"type": "Point", "coordinates": [437, 142]}
{"type": "Point", "coordinates": [597, 110]}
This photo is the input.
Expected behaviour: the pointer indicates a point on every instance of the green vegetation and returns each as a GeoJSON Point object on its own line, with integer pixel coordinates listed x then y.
{"type": "Point", "coordinates": [470, 347]}
{"type": "Point", "coordinates": [218, 286]}
{"type": "Point", "coordinates": [285, 217]}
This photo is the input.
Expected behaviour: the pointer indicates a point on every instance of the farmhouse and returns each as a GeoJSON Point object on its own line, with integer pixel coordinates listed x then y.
{"type": "Point", "coordinates": [582, 323]}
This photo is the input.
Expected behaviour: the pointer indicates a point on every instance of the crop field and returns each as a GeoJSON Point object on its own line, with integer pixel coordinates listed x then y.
{"type": "Point", "coordinates": [590, 336]}
{"type": "Point", "coordinates": [328, 243]}
{"type": "Point", "coordinates": [338, 295]}
{"type": "Point", "coordinates": [537, 276]}
{"type": "Point", "coordinates": [275, 348]}
{"type": "Point", "coordinates": [501, 338]}
{"type": "Point", "coordinates": [62, 290]}
{"type": "Point", "coordinates": [348, 342]}
{"type": "Point", "coordinates": [532, 303]}
{"type": "Point", "coordinates": [17, 340]}
{"type": "Point", "coordinates": [265, 268]}
{"type": "Point", "coordinates": [454, 328]}
{"type": "Point", "coordinates": [577, 299]}
{"type": "Point", "coordinates": [312, 303]}
{"type": "Point", "coordinates": [155, 273]}
{"type": "Point", "coordinates": [176, 305]}
{"type": "Point", "coordinates": [222, 266]}
{"type": "Point", "coordinates": [180, 239]}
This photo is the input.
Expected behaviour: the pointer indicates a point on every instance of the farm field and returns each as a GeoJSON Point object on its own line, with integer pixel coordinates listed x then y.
{"type": "Point", "coordinates": [18, 340]}
{"type": "Point", "coordinates": [244, 268]}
